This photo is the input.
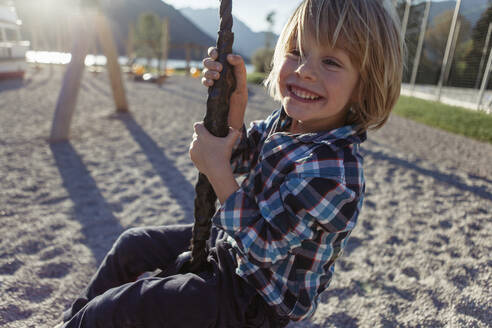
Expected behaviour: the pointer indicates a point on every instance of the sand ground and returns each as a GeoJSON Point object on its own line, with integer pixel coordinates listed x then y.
{"type": "Point", "coordinates": [419, 257]}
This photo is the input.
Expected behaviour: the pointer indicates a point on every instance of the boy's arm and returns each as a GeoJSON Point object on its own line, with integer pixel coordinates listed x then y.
{"type": "Point", "coordinates": [296, 233]}
{"type": "Point", "coordinates": [245, 147]}
{"type": "Point", "coordinates": [268, 230]}
{"type": "Point", "coordinates": [223, 182]}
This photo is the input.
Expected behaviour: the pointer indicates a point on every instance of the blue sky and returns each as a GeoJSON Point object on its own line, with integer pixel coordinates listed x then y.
{"type": "Point", "coordinates": [251, 12]}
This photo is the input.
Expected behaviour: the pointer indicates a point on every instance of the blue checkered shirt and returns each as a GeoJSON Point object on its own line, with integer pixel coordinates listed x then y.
{"type": "Point", "coordinates": [294, 212]}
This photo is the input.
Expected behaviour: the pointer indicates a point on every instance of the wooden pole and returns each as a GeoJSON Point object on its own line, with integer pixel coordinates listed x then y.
{"type": "Point", "coordinates": [448, 48]}
{"type": "Point", "coordinates": [67, 98]}
{"type": "Point", "coordinates": [114, 70]}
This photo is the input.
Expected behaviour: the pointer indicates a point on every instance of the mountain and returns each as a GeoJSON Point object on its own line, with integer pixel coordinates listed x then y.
{"type": "Point", "coordinates": [182, 30]}
{"type": "Point", "coordinates": [51, 19]}
{"type": "Point", "coordinates": [246, 41]}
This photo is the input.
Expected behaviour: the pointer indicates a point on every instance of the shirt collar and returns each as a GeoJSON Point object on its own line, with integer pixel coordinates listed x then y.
{"type": "Point", "coordinates": [339, 137]}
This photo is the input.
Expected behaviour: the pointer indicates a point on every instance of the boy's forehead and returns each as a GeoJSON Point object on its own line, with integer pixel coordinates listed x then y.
{"type": "Point", "coordinates": [324, 46]}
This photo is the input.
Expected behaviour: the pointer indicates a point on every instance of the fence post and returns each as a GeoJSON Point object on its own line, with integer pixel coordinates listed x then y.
{"type": "Point", "coordinates": [404, 22]}
{"type": "Point", "coordinates": [485, 81]}
{"type": "Point", "coordinates": [484, 53]}
{"type": "Point", "coordinates": [451, 53]}
{"type": "Point", "coordinates": [420, 45]}
{"type": "Point", "coordinates": [448, 49]}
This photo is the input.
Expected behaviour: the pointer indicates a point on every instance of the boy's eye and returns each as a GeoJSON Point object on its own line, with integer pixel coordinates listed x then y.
{"type": "Point", "coordinates": [330, 62]}
{"type": "Point", "coordinates": [294, 52]}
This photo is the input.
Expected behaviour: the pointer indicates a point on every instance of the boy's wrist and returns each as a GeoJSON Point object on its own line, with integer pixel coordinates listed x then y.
{"type": "Point", "coordinates": [223, 182]}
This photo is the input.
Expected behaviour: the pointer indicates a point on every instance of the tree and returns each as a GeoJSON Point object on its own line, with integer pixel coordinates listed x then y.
{"type": "Point", "coordinates": [270, 18]}
{"type": "Point", "coordinates": [412, 33]}
{"type": "Point", "coordinates": [148, 37]}
{"type": "Point", "coordinates": [436, 38]}
{"type": "Point", "coordinates": [262, 60]}
{"type": "Point", "coordinates": [474, 56]}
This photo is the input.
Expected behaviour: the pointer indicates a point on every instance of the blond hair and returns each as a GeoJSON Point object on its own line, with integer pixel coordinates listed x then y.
{"type": "Point", "coordinates": [369, 31]}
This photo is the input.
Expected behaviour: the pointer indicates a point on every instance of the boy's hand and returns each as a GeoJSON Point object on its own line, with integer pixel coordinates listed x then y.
{"type": "Point", "coordinates": [239, 98]}
{"type": "Point", "coordinates": [210, 154]}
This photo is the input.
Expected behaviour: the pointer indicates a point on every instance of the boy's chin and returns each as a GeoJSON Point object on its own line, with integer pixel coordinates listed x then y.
{"type": "Point", "coordinates": [297, 113]}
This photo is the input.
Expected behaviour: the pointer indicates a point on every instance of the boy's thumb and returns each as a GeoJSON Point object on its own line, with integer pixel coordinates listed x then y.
{"type": "Point", "coordinates": [239, 71]}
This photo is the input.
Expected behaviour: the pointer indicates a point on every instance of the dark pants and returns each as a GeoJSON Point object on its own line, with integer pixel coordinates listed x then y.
{"type": "Point", "coordinates": [216, 298]}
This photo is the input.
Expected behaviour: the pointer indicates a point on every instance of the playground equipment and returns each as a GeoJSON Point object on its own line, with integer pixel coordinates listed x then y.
{"type": "Point", "coordinates": [86, 23]}
{"type": "Point", "coordinates": [216, 118]}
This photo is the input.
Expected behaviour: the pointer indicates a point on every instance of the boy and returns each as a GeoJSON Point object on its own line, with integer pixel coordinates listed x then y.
{"type": "Point", "coordinates": [337, 72]}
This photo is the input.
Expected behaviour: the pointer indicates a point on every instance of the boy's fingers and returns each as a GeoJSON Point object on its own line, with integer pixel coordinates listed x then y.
{"type": "Point", "coordinates": [212, 65]}
{"type": "Point", "coordinates": [239, 71]}
{"type": "Point", "coordinates": [206, 82]}
{"type": "Point", "coordinates": [211, 75]}
{"type": "Point", "coordinates": [199, 128]}
{"type": "Point", "coordinates": [212, 52]}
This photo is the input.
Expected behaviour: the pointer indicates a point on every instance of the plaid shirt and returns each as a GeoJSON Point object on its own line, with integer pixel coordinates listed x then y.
{"type": "Point", "coordinates": [293, 214]}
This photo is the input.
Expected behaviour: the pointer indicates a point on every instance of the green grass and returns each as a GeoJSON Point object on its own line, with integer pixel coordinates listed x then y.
{"type": "Point", "coordinates": [472, 124]}
{"type": "Point", "coordinates": [256, 78]}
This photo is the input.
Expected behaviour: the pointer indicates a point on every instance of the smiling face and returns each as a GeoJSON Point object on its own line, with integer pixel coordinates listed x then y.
{"type": "Point", "coordinates": [358, 66]}
{"type": "Point", "coordinates": [318, 87]}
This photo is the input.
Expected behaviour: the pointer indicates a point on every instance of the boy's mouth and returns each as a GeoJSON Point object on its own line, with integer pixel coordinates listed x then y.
{"type": "Point", "coordinates": [302, 95]}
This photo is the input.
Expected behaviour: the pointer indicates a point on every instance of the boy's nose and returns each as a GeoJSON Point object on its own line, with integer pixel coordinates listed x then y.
{"type": "Point", "coordinates": [306, 69]}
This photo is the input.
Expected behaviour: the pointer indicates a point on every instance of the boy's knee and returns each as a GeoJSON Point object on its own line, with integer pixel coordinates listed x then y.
{"type": "Point", "coordinates": [130, 239]}
{"type": "Point", "coordinates": [183, 297]}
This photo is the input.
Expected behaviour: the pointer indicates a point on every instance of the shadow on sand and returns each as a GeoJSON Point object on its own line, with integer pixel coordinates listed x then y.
{"type": "Point", "coordinates": [13, 84]}
{"type": "Point", "coordinates": [196, 95]}
{"type": "Point", "coordinates": [90, 207]}
{"type": "Point", "coordinates": [180, 189]}
{"type": "Point", "coordinates": [449, 179]}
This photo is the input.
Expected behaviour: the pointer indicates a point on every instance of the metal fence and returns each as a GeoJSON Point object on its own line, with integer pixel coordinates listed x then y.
{"type": "Point", "coordinates": [449, 51]}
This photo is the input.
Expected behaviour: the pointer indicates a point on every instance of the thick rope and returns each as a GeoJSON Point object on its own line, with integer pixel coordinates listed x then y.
{"type": "Point", "coordinates": [216, 123]}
